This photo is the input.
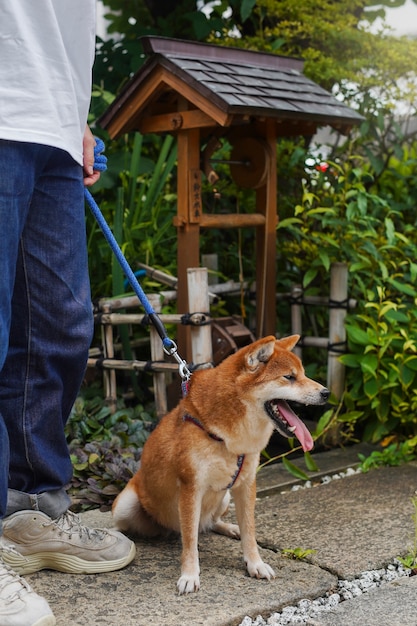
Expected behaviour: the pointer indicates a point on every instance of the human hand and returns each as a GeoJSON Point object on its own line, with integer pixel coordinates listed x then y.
{"type": "Point", "coordinates": [91, 175]}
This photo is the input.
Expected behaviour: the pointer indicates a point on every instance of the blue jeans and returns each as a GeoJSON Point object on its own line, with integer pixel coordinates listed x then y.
{"type": "Point", "coordinates": [46, 321]}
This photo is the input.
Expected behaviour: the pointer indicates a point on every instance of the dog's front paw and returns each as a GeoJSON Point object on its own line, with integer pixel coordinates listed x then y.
{"type": "Point", "coordinates": [188, 583]}
{"type": "Point", "coordinates": [259, 569]}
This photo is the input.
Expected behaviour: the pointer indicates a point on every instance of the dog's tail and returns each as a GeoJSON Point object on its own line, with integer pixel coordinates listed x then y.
{"type": "Point", "coordinates": [130, 516]}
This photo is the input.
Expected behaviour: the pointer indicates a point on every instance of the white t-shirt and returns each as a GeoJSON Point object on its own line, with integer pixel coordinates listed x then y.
{"type": "Point", "coordinates": [46, 57]}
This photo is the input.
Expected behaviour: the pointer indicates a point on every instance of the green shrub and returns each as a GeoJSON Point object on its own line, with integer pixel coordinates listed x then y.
{"type": "Point", "coordinates": [105, 448]}
{"type": "Point", "coordinates": [382, 356]}
{"type": "Point", "coordinates": [347, 215]}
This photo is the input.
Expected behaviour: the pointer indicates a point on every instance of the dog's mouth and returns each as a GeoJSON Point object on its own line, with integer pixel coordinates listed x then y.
{"type": "Point", "coordinates": [288, 424]}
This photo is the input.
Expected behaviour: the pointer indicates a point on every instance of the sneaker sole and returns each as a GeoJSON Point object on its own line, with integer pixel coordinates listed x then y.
{"type": "Point", "coordinates": [63, 563]}
{"type": "Point", "coordinates": [47, 620]}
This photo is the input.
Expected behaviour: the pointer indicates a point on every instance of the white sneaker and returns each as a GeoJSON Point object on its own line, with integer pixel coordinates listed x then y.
{"type": "Point", "coordinates": [19, 604]}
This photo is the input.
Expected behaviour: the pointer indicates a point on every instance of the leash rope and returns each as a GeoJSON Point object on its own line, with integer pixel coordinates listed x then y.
{"type": "Point", "coordinates": [170, 347]}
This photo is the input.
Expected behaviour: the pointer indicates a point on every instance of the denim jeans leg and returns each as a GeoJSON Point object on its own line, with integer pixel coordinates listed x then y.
{"type": "Point", "coordinates": [15, 193]}
{"type": "Point", "coordinates": [50, 333]}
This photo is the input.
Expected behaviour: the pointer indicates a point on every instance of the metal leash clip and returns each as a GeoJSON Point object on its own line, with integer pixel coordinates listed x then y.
{"type": "Point", "coordinates": [182, 365]}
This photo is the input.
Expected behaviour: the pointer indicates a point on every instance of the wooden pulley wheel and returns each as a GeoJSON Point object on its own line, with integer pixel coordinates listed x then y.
{"type": "Point", "coordinates": [249, 162]}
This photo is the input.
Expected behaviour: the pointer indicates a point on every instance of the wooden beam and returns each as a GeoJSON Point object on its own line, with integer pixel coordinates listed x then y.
{"type": "Point", "coordinates": [232, 220]}
{"type": "Point", "coordinates": [227, 220]}
{"type": "Point", "coordinates": [171, 122]}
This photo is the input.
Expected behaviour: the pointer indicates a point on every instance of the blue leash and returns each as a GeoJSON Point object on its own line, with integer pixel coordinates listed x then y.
{"type": "Point", "coordinates": [170, 347]}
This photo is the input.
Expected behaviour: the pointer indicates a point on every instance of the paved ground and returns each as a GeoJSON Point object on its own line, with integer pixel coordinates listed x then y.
{"type": "Point", "coordinates": [358, 523]}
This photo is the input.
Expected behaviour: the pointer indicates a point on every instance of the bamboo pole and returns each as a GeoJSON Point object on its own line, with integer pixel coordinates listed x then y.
{"type": "Point", "coordinates": [132, 318]}
{"type": "Point", "coordinates": [109, 377]}
{"type": "Point", "coordinates": [229, 287]}
{"type": "Point", "coordinates": [122, 364]}
{"type": "Point", "coordinates": [337, 331]}
{"type": "Point", "coordinates": [198, 303]}
{"type": "Point", "coordinates": [158, 354]}
{"type": "Point", "coordinates": [137, 318]}
{"type": "Point", "coordinates": [296, 316]}
{"type": "Point", "coordinates": [316, 342]}
{"type": "Point", "coordinates": [338, 303]}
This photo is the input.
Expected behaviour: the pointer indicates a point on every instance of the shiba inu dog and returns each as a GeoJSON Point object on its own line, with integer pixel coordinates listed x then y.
{"type": "Point", "coordinates": [209, 446]}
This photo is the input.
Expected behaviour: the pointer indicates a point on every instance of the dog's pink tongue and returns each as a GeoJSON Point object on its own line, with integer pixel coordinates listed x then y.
{"type": "Point", "coordinates": [301, 431]}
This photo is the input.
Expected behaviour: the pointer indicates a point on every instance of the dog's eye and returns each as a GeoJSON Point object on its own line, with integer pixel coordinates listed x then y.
{"type": "Point", "coordinates": [289, 376]}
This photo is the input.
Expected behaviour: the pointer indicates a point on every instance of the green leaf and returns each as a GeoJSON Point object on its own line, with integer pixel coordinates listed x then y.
{"type": "Point", "coordinates": [413, 270]}
{"type": "Point", "coordinates": [80, 467]}
{"type": "Point", "coordinates": [384, 408]}
{"type": "Point", "coordinates": [350, 416]}
{"type": "Point", "coordinates": [397, 316]}
{"type": "Point", "coordinates": [407, 376]}
{"type": "Point", "coordinates": [294, 470]}
{"type": "Point", "coordinates": [289, 221]}
{"type": "Point", "coordinates": [323, 422]}
{"type": "Point", "coordinates": [371, 388]}
{"type": "Point", "coordinates": [362, 203]}
{"type": "Point", "coordinates": [411, 363]}
{"type": "Point", "coordinates": [246, 9]}
{"type": "Point", "coordinates": [390, 230]}
{"type": "Point", "coordinates": [369, 364]}
{"type": "Point", "coordinates": [409, 290]}
{"type": "Point", "coordinates": [350, 360]}
{"type": "Point", "coordinates": [201, 24]}
{"type": "Point", "coordinates": [309, 276]}
{"type": "Point", "coordinates": [358, 335]}
{"type": "Point", "coordinates": [310, 462]}
{"type": "Point", "coordinates": [324, 257]}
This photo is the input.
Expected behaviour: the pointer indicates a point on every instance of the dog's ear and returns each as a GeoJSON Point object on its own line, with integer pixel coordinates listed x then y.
{"type": "Point", "coordinates": [288, 343]}
{"type": "Point", "coordinates": [261, 351]}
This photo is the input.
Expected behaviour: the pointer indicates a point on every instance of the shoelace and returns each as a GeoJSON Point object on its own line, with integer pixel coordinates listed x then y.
{"type": "Point", "coordinates": [9, 578]}
{"type": "Point", "coordinates": [70, 524]}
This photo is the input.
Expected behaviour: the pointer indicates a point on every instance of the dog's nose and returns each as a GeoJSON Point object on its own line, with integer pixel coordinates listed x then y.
{"type": "Point", "coordinates": [325, 393]}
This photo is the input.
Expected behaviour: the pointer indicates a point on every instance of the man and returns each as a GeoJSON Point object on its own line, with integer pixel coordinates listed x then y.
{"type": "Point", "coordinates": [46, 325]}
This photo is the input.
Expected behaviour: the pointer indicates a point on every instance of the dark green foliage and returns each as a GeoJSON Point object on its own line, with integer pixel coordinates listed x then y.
{"type": "Point", "coordinates": [351, 213]}
{"type": "Point", "coordinates": [105, 448]}
{"type": "Point", "coordinates": [392, 455]}
{"type": "Point", "coordinates": [101, 471]}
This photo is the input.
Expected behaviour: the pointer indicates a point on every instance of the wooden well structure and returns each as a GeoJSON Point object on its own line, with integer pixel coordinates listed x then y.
{"type": "Point", "coordinates": [202, 93]}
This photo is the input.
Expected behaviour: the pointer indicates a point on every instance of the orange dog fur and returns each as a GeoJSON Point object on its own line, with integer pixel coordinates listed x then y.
{"type": "Point", "coordinates": [209, 446]}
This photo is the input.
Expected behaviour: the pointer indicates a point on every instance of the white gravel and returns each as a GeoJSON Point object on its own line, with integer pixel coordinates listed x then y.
{"type": "Point", "coordinates": [306, 610]}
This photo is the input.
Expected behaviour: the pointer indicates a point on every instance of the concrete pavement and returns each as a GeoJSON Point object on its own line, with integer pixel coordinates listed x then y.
{"type": "Point", "coordinates": [355, 524]}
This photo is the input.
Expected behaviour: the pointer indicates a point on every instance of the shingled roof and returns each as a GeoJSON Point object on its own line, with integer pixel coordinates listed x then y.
{"type": "Point", "coordinates": [237, 82]}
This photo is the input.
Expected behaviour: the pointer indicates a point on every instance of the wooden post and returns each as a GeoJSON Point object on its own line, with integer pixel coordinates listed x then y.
{"type": "Point", "coordinates": [198, 302]}
{"type": "Point", "coordinates": [337, 332]}
{"type": "Point", "coordinates": [266, 256]}
{"type": "Point", "coordinates": [158, 354]}
{"type": "Point", "coordinates": [187, 222]}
